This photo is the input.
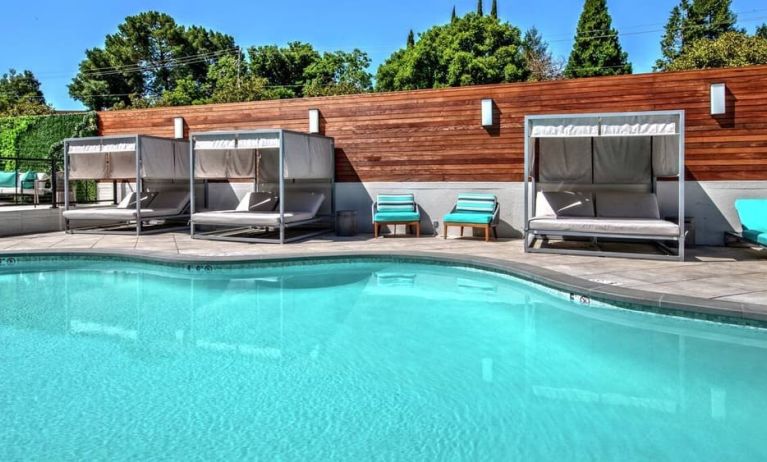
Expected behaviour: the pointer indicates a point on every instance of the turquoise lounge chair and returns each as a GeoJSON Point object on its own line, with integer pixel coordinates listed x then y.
{"type": "Point", "coordinates": [474, 210]}
{"type": "Point", "coordinates": [753, 220]}
{"type": "Point", "coordinates": [396, 209]}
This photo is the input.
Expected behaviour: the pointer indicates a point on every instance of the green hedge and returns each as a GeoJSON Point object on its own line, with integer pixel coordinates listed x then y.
{"type": "Point", "coordinates": [41, 137]}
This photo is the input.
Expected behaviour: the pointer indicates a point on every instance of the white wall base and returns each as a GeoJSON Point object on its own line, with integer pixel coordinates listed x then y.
{"type": "Point", "coordinates": [27, 220]}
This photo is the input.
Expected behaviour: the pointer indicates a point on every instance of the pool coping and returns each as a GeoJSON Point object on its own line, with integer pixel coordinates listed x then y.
{"type": "Point", "coordinates": [578, 288]}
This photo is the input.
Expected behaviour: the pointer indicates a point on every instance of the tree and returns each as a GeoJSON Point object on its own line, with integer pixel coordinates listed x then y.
{"type": "Point", "coordinates": [146, 58]}
{"type": "Point", "coordinates": [453, 17]}
{"type": "Point", "coordinates": [410, 39]}
{"type": "Point", "coordinates": [479, 8]}
{"type": "Point", "coordinates": [761, 31]}
{"type": "Point", "coordinates": [338, 73]}
{"type": "Point", "coordinates": [285, 66]}
{"type": "Point", "coordinates": [597, 50]}
{"type": "Point", "coordinates": [693, 20]}
{"type": "Point", "coordinates": [540, 62]}
{"type": "Point", "coordinates": [20, 94]}
{"type": "Point", "coordinates": [473, 49]}
{"type": "Point", "coordinates": [494, 9]}
{"type": "Point", "coordinates": [731, 49]}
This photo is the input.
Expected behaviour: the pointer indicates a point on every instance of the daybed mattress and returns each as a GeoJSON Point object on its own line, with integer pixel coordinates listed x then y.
{"type": "Point", "coordinates": [232, 218]}
{"type": "Point", "coordinates": [117, 214]}
{"type": "Point", "coordinates": [622, 226]}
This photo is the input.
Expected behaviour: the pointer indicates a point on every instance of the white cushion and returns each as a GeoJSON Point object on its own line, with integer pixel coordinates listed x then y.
{"type": "Point", "coordinates": [127, 201]}
{"type": "Point", "coordinates": [564, 204]}
{"type": "Point", "coordinates": [175, 200]}
{"type": "Point", "coordinates": [625, 226]}
{"type": "Point", "coordinates": [613, 204]}
{"type": "Point", "coordinates": [257, 202]}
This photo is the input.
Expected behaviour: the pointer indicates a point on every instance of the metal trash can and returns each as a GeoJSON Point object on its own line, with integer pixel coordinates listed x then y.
{"type": "Point", "coordinates": [346, 223]}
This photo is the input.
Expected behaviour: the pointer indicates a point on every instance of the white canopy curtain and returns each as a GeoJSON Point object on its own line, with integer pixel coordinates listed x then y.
{"type": "Point", "coordinates": [603, 151]}
{"type": "Point", "coordinates": [115, 158]}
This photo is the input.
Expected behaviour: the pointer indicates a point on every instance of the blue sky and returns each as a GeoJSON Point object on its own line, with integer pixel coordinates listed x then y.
{"type": "Point", "coordinates": [49, 37]}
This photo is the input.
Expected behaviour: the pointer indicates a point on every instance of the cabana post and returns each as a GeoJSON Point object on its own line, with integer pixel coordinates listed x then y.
{"type": "Point", "coordinates": [290, 176]}
{"type": "Point", "coordinates": [595, 176]}
{"type": "Point", "coordinates": [153, 165]}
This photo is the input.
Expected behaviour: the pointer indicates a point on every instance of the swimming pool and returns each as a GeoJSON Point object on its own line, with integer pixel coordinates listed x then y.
{"type": "Point", "coordinates": [358, 359]}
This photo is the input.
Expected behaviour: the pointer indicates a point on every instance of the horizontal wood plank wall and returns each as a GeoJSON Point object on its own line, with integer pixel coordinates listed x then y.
{"type": "Point", "coordinates": [435, 135]}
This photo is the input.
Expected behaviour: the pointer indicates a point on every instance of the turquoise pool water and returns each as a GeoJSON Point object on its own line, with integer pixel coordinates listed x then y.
{"type": "Point", "coordinates": [359, 361]}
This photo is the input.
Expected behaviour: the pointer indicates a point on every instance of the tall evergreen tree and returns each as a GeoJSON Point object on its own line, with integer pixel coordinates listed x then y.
{"type": "Point", "coordinates": [479, 8]}
{"type": "Point", "coordinates": [540, 62]}
{"type": "Point", "coordinates": [410, 39]}
{"type": "Point", "coordinates": [494, 9]}
{"type": "Point", "coordinates": [452, 15]}
{"type": "Point", "coordinates": [761, 31]}
{"type": "Point", "coordinates": [693, 20]}
{"type": "Point", "coordinates": [597, 50]}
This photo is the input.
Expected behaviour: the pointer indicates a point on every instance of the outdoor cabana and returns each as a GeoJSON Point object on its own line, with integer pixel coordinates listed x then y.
{"type": "Point", "coordinates": [288, 179]}
{"type": "Point", "coordinates": [596, 177]}
{"type": "Point", "coordinates": [153, 171]}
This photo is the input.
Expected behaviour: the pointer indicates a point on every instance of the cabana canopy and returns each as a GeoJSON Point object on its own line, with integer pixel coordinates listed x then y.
{"type": "Point", "coordinates": [239, 155]}
{"type": "Point", "coordinates": [126, 158]}
{"type": "Point", "coordinates": [583, 154]}
{"type": "Point", "coordinates": [135, 159]}
{"type": "Point", "coordinates": [273, 157]}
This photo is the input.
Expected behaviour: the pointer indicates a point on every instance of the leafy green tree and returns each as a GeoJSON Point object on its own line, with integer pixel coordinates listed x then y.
{"type": "Point", "coordinates": [145, 59]}
{"type": "Point", "coordinates": [597, 50]}
{"type": "Point", "coordinates": [494, 9]}
{"type": "Point", "coordinates": [473, 49]}
{"type": "Point", "coordinates": [20, 94]}
{"type": "Point", "coordinates": [410, 39]}
{"type": "Point", "coordinates": [731, 49]}
{"type": "Point", "coordinates": [539, 59]}
{"type": "Point", "coordinates": [693, 20]}
{"type": "Point", "coordinates": [285, 66]}
{"type": "Point", "coordinates": [338, 73]}
{"type": "Point", "coordinates": [233, 81]}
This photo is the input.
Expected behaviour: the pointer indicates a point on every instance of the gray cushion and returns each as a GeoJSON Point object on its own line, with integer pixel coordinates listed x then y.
{"type": "Point", "coordinates": [564, 204]}
{"type": "Point", "coordinates": [175, 200]}
{"type": "Point", "coordinates": [627, 205]}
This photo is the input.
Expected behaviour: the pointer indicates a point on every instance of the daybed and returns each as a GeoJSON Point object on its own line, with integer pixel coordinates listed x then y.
{"type": "Point", "coordinates": [603, 214]}
{"type": "Point", "coordinates": [300, 208]}
{"type": "Point", "coordinates": [155, 205]}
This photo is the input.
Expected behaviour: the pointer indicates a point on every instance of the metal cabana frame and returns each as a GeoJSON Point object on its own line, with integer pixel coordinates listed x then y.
{"type": "Point", "coordinates": [239, 233]}
{"type": "Point", "coordinates": [118, 228]}
{"type": "Point", "coordinates": [531, 187]}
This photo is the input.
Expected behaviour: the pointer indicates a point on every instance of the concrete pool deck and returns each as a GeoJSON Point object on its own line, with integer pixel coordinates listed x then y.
{"type": "Point", "coordinates": [719, 280]}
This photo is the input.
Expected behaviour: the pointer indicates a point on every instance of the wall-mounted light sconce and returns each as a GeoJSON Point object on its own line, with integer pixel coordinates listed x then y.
{"type": "Point", "coordinates": [487, 112]}
{"type": "Point", "coordinates": [178, 127]}
{"type": "Point", "coordinates": [718, 99]}
{"type": "Point", "coordinates": [314, 120]}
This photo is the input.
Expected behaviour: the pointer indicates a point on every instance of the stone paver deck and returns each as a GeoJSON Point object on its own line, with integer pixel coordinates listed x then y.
{"type": "Point", "coordinates": [714, 273]}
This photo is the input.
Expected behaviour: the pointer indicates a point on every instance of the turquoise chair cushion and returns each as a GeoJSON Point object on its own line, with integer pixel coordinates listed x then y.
{"type": "Point", "coordinates": [395, 203]}
{"type": "Point", "coordinates": [396, 217]}
{"type": "Point", "coordinates": [475, 202]}
{"type": "Point", "coordinates": [474, 218]}
{"type": "Point", "coordinates": [27, 179]}
{"type": "Point", "coordinates": [752, 213]}
{"type": "Point", "coordinates": [7, 179]}
{"type": "Point", "coordinates": [755, 236]}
